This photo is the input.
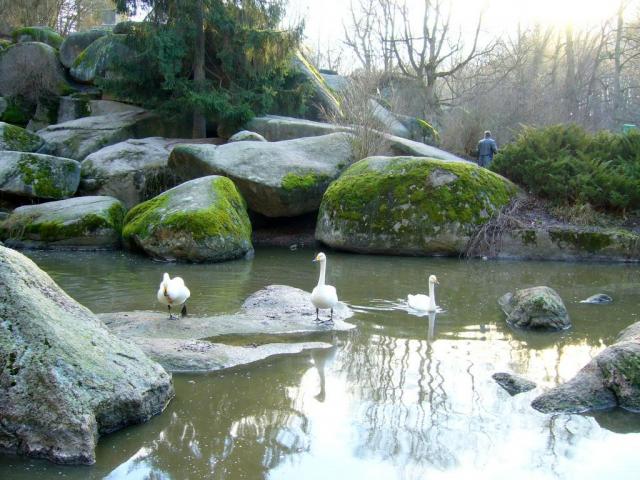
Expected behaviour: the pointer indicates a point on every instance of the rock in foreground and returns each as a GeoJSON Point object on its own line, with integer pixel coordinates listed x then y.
{"type": "Point", "coordinates": [409, 206]}
{"type": "Point", "coordinates": [180, 345]}
{"type": "Point", "coordinates": [18, 139]}
{"type": "Point", "coordinates": [279, 179]}
{"type": "Point", "coordinates": [64, 378]}
{"type": "Point", "coordinates": [203, 220]}
{"type": "Point", "coordinates": [539, 308]}
{"type": "Point", "coordinates": [76, 223]}
{"type": "Point", "coordinates": [611, 379]}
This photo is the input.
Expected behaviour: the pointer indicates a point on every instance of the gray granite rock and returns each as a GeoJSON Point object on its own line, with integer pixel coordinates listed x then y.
{"type": "Point", "coordinates": [535, 308]}
{"type": "Point", "coordinates": [74, 43]}
{"type": "Point", "coordinates": [65, 379]}
{"type": "Point", "coordinates": [246, 136]}
{"type": "Point", "coordinates": [513, 384]}
{"type": "Point", "coordinates": [18, 139]}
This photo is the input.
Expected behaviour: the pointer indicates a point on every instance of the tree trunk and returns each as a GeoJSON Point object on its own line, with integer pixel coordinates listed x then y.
{"type": "Point", "coordinates": [199, 120]}
{"type": "Point", "coordinates": [617, 73]}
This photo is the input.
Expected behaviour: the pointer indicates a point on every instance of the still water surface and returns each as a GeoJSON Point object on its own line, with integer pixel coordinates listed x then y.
{"type": "Point", "coordinates": [399, 397]}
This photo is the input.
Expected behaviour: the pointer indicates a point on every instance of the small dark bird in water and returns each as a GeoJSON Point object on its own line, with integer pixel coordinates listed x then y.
{"type": "Point", "coordinates": [598, 299]}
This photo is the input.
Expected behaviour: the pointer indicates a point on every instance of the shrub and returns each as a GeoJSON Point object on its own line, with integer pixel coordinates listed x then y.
{"type": "Point", "coordinates": [569, 166]}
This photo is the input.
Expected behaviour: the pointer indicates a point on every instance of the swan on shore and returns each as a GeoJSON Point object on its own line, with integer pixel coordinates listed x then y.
{"type": "Point", "coordinates": [323, 296]}
{"type": "Point", "coordinates": [173, 293]}
{"type": "Point", "coordinates": [423, 302]}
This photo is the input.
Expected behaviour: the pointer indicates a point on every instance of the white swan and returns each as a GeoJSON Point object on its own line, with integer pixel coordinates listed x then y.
{"type": "Point", "coordinates": [426, 303]}
{"type": "Point", "coordinates": [323, 296]}
{"type": "Point", "coordinates": [173, 293]}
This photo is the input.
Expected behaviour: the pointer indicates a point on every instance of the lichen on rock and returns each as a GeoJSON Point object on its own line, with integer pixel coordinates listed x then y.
{"type": "Point", "coordinates": [18, 139]}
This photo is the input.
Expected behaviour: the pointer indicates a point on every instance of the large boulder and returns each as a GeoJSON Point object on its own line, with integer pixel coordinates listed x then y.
{"type": "Point", "coordinates": [64, 378]}
{"type": "Point", "coordinates": [82, 222]}
{"type": "Point", "coordinates": [82, 105]}
{"type": "Point", "coordinates": [32, 70]}
{"type": "Point", "coordinates": [76, 42]}
{"type": "Point", "coordinates": [99, 58]}
{"type": "Point", "coordinates": [539, 308]}
{"type": "Point", "coordinates": [323, 100]}
{"type": "Point", "coordinates": [611, 379]}
{"type": "Point", "coordinates": [276, 128]}
{"type": "Point", "coordinates": [132, 171]}
{"type": "Point", "coordinates": [18, 139]}
{"type": "Point", "coordinates": [78, 138]}
{"type": "Point", "coordinates": [37, 34]}
{"type": "Point", "coordinates": [279, 179]}
{"type": "Point", "coordinates": [409, 206]}
{"type": "Point", "coordinates": [38, 176]}
{"type": "Point", "coordinates": [386, 121]}
{"type": "Point", "coordinates": [246, 136]}
{"type": "Point", "coordinates": [203, 220]}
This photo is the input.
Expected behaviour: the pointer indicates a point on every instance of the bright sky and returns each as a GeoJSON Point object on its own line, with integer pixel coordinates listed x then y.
{"type": "Point", "coordinates": [324, 18]}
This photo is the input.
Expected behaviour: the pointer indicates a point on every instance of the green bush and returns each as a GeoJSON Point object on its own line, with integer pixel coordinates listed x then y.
{"type": "Point", "coordinates": [569, 166]}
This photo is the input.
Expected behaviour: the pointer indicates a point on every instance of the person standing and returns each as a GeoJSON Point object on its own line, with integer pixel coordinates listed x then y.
{"type": "Point", "coordinates": [487, 147]}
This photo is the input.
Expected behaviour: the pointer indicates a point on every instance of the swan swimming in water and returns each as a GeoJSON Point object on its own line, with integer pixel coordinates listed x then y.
{"type": "Point", "coordinates": [422, 302]}
{"type": "Point", "coordinates": [173, 293]}
{"type": "Point", "coordinates": [323, 296]}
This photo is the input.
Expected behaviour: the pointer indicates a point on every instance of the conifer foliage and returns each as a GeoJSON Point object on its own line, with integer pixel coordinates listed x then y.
{"type": "Point", "coordinates": [247, 60]}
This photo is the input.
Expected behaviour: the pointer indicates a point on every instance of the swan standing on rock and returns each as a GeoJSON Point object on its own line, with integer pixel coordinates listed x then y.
{"type": "Point", "coordinates": [323, 296]}
{"type": "Point", "coordinates": [173, 293]}
{"type": "Point", "coordinates": [424, 302]}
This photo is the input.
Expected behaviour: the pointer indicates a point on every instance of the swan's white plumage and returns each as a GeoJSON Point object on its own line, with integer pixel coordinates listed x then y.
{"type": "Point", "coordinates": [423, 302]}
{"type": "Point", "coordinates": [323, 296]}
{"type": "Point", "coordinates": [173, 292]}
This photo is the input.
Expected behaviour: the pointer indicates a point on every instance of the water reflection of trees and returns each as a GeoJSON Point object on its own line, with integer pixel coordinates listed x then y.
{"type": "Point", "coordinates": [238, 425]}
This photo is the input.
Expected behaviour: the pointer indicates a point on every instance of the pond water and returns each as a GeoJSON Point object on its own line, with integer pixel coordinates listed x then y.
{"type": "Point", "coordinates": [399, 397]}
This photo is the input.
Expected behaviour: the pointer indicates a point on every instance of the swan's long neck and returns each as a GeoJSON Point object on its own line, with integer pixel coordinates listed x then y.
{"type": "Point", "coordinates": [432, 295]}
{"type": "Point", "coordinates": [323, 269]}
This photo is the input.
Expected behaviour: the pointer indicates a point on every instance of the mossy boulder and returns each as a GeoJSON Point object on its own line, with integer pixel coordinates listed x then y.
{"type": "Point", "coordinates": [324, 99]}
{"type": "Point", "coordinates": [203, 220]}
{"type": "Point", "coordinates": [278, 179]}
{"type": "Point", "coordinates": [75, 43]}
{"type": "Point", "coordinates": [132, 171]}
{"type": "Point", "coordinates": [409, 206]}
{"type": "Point", "coordinates": [16, 110]}
{"type": "Point", "coordinates": [78, 138]}
{"type": "Point", "coordinates": [611, 379]}
{"type": "Point", "coordinates": [37, 34]}
{"type": "Point", "coordinates": [18, 139]}
{"type": "Point", "coordinates": [32, 70]}
{"type": "Point", "coordinates": [82, 222]}
{"type": "Point", "coordinates": [65, 380]}
{"type": "Point", "coordinates": [536, 308]}
{"type": "Point", "coordinates": [99, 58]}
{"type": "Point", "coordinates": [38, 176]}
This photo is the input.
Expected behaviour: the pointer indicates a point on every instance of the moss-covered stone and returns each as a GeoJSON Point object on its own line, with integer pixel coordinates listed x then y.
{"type": "Point", "coordinates": [76, 42]}
{"type": "Point", "coordinates": [18, 139]}
{"type": "Point", "coordinates": [293, 181]}
{"type": "Point", "coordinates": [409, 205]}
{"type": "Point", "coordinates": [38, 34]}
{"type": "Point", "coordinates": [82, 222]}
{"type": "Point", "coordinates": [39, 176]}
{"type": "Point", "coordinates": [17, 111]}
{"type": "Point", "coordinates": [197, 221]}
{"type": "Point", "coordinates": [98, 58]}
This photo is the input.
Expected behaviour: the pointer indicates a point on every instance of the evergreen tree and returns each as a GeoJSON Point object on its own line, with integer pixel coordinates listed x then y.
{"type": "Point", "coordinates": [224, 60]}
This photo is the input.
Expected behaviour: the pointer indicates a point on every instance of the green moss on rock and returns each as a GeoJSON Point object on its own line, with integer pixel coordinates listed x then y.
{"type": "Point", "coordinates": [410, 204]}
{"type": "Point", "coordinates": [18, 111]}
{"type": "Point", "coordinates": [18, 139]}
{"type": "Point", "coordinates": [292, 181]}
{"type": "Point", "coordinates": [38, 34]}
{"type": "Point", "coordinates": [212, 228]}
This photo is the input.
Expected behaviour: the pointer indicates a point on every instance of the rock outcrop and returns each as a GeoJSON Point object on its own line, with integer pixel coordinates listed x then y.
{"type": "Point", "coordinates": [246, 136]}
{"type": "Point", "coordinates": [409, 206]}
{"type": "Point", "coordinates": [611, 379]}
{"type": "Point", "coordinates": [98, 58]}
{"type": "Point", "coordinates": [196, 343]}
{"type": "Point", "coordinates": [18, 139]}
{"type": "Point", "coordinates": [76, 223]}
{"type": "Point", "coordinates": [203, 220]}
{"type": "Point", "coordinates": [64, 378]}
{"type": "Point", "coordinates": [31, 68]}
{"type": "Point", "coordinates": [538, 308]}
{"type": "Point", "coordinates": [78, 138]}
{"type": "Point", "coordinates": [277, 179]}
{"type": "Point", "coordinates": [37, 34]}
{"type": "Point", "coordinates": [74, 44]}
{"type": "Point", "coordinates": [38, 176]}
{"type": "Point", "coordinates": [132, 171]}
